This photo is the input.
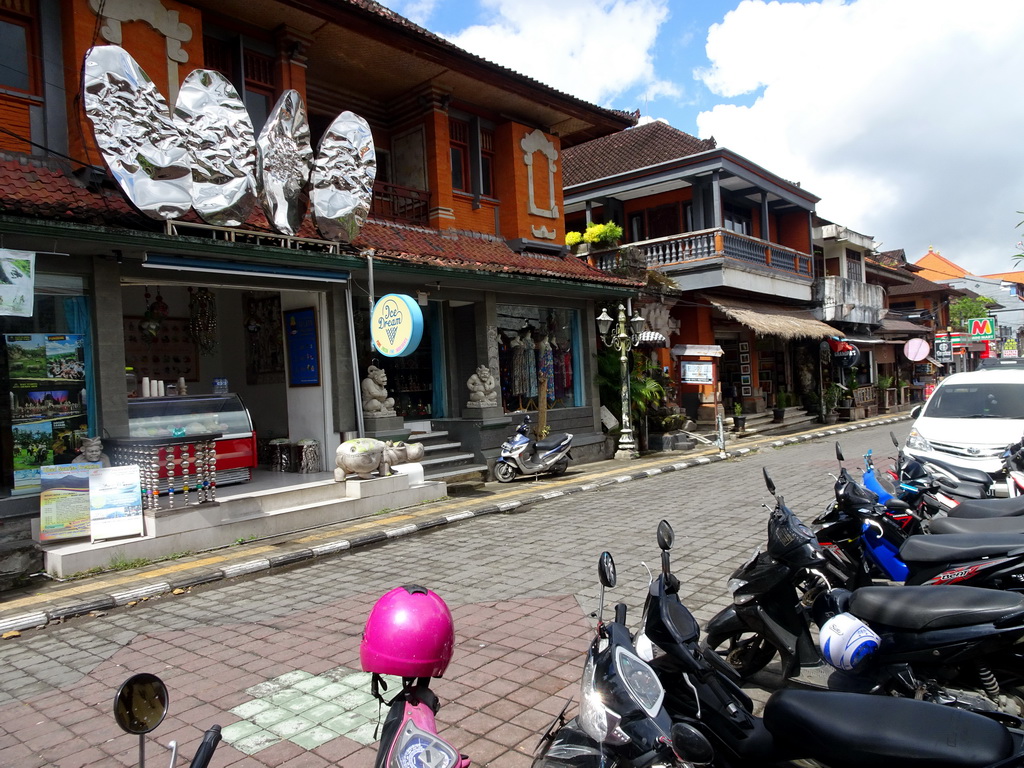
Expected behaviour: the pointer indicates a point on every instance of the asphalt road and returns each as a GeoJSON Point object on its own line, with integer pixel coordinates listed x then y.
{"type": "Point", "coordinates": [274, 658]}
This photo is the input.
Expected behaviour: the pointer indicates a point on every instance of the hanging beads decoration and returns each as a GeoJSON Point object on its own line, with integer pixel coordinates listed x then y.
{"type": "Point", "coordinates": [149, 326]}
{"type": "Point", "coordinates": [202, 324]}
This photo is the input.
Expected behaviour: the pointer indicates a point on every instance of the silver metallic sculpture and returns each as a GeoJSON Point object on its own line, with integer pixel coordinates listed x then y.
{"type": "Point", "coordinates": [346, 166]}
{"type": "Point", "coordinates": [221, 144]}
{"type": "Point", "coordinates": [139, 141]}
{"type": "Point", "coordinates": [284, 162]}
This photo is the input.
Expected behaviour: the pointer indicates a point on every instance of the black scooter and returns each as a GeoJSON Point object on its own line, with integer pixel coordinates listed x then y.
{"type": "Point", "coordinates": [947, 644]}
{"type": "Point", "coordinates": [835, 729]}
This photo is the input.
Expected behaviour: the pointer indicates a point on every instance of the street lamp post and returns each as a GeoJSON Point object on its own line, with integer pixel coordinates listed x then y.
{"type": "Point", "coordinates": [620, 339]}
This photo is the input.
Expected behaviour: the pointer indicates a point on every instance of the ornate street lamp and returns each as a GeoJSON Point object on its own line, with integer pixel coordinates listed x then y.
{"type": "Point", "coordinates": [623, 340]}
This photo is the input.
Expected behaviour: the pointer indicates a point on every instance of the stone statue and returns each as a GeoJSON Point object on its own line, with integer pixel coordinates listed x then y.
{"type": "Point", "coordinates": [92, 451]}
{"type": "Point", "coordinates": [364, 455]}
{"type": "Point", "coordinates": [375, 394]}
{"type": "Point", "coordinates": [482, 389]}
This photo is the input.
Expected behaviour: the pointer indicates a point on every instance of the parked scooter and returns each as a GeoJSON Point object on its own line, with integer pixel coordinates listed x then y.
{"type": "Point", "coordinates": [947, 644]}
{"type": "Point", "coordinates": [409, 634]}
{"type": "Point", "coordinates": [141, 705]}
{"type": "Point", "coordinates": [522, 455]}
{"type": "Point", "coordinates": [622, 720]}
{"type": "Point", "coordinates": [841, 730]}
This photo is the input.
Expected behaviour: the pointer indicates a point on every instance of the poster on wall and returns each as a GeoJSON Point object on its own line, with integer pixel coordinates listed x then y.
{"type": "Point", "coordinates": [170, 355]}
{"type": "Point", "coordinates": [115, 502]}
{"type": "Point", "coordinates": [303, 351]}
{"type": "Point", "coordinates": [64, 500]}
{"type": "Point", "coordinates": [48, 402]}
{"type": "Point", "coordinates": [17, 283]}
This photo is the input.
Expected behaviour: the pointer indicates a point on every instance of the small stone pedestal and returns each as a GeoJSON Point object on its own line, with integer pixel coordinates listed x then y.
{"type": "Point", "coordinates": [385, 427]}
{"type": "Point", "coordinates": [477, 412]}
{"type": "Point", "coordinates": [357, 488]}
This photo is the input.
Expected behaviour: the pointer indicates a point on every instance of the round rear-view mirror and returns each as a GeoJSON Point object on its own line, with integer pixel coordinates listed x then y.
{"type": "Point", "coordinates": [665, 535]}
{"type": "Point", "coordinates": [141, 703]}
{"type": "Point", "coordinates": [606, 569]}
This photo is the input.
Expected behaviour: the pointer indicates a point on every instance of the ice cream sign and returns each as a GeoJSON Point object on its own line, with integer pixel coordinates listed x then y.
{"type": "Point", "coordinates": [396, 325]}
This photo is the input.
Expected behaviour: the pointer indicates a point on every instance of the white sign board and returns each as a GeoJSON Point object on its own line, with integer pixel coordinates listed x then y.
{"type": "Point", "coordinates": [696, 373]}
{"type": "Point", "coordinates": [115, 502]}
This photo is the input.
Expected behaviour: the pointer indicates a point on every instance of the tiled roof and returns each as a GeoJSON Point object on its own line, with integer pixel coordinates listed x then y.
{"type": "Point", "coordinates": [896, 258]}
{"type": "Point", "coordinates": [1009, 277]}
{"type": "Point", "coordinates": [37, 188]}
{"type": "Point", "coordinates": [639, 147]}
{"type": "Point", "coordinates": [920, 285]}
{"type": "Point", "coordinates": [939, 269]}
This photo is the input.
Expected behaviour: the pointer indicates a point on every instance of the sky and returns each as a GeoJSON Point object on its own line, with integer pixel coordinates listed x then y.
{"type": "Point", "coordinates": [906, 117]}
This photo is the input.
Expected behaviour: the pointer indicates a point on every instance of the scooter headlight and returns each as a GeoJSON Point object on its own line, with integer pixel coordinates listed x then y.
{"type": "Point", "coordinates": [734, 585]}
{"type": "Point", "coordinates": [597, 720]}
{"type": "Point", "coordinates": [917, 442]}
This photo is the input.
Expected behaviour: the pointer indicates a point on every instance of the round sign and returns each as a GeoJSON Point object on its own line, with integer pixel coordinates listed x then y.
{"type": "Point", "coordinates": [916, 349]}
{"type": "Point", "coordinates": [396, 325]}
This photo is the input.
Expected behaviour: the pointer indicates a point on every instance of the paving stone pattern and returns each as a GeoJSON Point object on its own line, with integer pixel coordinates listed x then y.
{"type": "Point", "coordinates": [274, 658]}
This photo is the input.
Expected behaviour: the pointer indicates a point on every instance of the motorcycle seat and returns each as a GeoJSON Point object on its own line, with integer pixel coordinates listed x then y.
{"type": "Point", "coordinates": [958, 547]}
{"type": "Point", "coordinates": [550, 442]}
{"type": "Point", "coordinates": [852, 730]}
{"type": "Point", "coordinates": [933, 607]}
{"type": "Point", "coordinates": [976, 525]}
{"type": "Point", "coordinates": [964, 473]}
{"type": "Point", "coordinates": [1010, 506]}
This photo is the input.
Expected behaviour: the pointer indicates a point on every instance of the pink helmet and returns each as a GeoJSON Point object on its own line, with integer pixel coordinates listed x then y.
{"type": "Point", "coordinates": [409, 633]}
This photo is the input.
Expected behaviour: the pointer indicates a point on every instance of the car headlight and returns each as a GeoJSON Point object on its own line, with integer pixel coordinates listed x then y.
{"type": "Point", "coordinates": [915, 441]}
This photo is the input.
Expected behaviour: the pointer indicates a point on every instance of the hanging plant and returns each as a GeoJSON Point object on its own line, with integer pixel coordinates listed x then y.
{"type": "Point", "coordinates": [202, 323]}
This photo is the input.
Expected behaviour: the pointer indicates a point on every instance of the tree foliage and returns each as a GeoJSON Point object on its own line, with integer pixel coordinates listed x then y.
{"type": "Point", "coordinates": [966, 307]}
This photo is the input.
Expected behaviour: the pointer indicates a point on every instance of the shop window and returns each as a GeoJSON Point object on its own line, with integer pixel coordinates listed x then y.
{"type": "Point", "coordinates": [462, 137]}
{"type": "Point", "coordinates": [46, 369]}
{"type": "Point", "coordinates": [458, 131]}
{"type": "Point", "coordinates": [18, 41]}
{"type": "Point", "coordinates": [536, 342]}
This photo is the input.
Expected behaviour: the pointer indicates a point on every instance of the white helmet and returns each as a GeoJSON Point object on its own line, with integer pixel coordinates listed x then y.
{"type": "Point", "coordinates": [846, 641]}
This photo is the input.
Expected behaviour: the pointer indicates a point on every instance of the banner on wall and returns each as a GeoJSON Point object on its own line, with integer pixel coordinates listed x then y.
{"type": "Point", "coordinates": [48, 402]}
{"type": "Point", "coordinates": [17, 283]}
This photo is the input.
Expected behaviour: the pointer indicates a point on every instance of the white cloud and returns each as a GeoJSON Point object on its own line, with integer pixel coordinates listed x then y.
{"type": "Point", "coordinates": [592, 50]}
{"type": "Point", "coordinates": [904, 117]}
{"type": "Point", "coordinates": [416, 11]}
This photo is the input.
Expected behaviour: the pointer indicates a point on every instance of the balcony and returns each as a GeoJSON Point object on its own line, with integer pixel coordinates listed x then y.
{"type": "Point", "coordinates": [844, 300]}
{"type": "Point", "coordinates": [718, 257]}
{"type": "Point", "coordinates": [394, 202]}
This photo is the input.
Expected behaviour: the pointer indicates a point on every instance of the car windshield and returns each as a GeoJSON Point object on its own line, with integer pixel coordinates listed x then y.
{"type": "Point", "coordinates": [976, 401]}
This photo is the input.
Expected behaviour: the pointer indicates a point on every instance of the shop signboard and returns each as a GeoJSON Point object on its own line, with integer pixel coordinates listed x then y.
{"type": "Point", "coordinates": [64, 500]}
{"type": "Point", "coordinates": [943, 349]}
{"type": "Point", "coordinates": [48, 402]}
{"type": "Point", "coordinates": [981, 329]}
{"type": "Point", "coordinates": [692, 372]}
{"type": "Point", "coordinates": [1010, 348]}
{"type": "Point", "coordinates": [115, 502]}
{"type": "Point", "coordinates": [396, 325]}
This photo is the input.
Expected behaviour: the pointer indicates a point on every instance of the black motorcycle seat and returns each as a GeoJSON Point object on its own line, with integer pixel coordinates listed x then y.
{"type": "Point", "coordinates": [964, 473]}
{"type": "Point", "coordinates": [958, 547]}
{"type": "Point", "coordinates": [551, 441]}
{"type": "Point", "coordinates": [976, 525]}
{"type": "Point", "coordinates": [1010, 506]}
{"type": "Point", "coordinates": [853, 730]}
{"type": "Point", "coordinates": [922, 608]}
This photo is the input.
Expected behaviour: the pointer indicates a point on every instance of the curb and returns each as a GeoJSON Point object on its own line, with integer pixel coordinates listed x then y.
{"type": "Point", "coordinates": [60, 611]}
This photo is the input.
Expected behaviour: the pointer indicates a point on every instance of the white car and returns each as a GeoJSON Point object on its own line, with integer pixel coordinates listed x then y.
{"type": "Point", "coordinates": [971, 418]}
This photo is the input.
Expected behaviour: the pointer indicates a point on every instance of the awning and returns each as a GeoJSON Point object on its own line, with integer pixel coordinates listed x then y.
{"type": "Point", "coordinates": [775, 320]}
{"type": "Point", "coordinates": [651, 340]}
{"type": "Point", "coordinates": [857, 340]}
{"type": "Point", "coordinates": [697, 350]}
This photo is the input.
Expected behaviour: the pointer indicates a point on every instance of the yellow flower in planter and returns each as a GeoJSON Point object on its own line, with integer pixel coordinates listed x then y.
{"type": "Point", "coordinates": [603, 234]}
{"type": "Point", "coordinates": [572, 239]}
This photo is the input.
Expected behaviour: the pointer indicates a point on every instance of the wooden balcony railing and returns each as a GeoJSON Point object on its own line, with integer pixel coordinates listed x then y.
{"type": "Point", "coordinates": [714, 243]}
{"type": "Point", "coordinates": [398, 203]}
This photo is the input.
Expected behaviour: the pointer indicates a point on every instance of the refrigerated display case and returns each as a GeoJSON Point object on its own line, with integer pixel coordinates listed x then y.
{"type": "Point", "coordinates": [195, 418]}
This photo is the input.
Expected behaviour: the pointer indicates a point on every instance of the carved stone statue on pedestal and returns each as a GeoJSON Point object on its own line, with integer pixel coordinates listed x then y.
{"type": "Point", "coordinates": [483, 391]}
{"type": "Point", "coordinates": [375, 394]}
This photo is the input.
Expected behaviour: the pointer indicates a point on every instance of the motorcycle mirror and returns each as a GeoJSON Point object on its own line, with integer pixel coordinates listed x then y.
{"type": "Point", "coordinates": [691, 746]}
{"type": "Point", "coordinates": [839, 453]}
{"type": "Point", "coordinates": [606, 570]}
{"type": "Point", "coordinates": [141, 703]}
{"type": "Point", "coordinates": [665, 535]}
{"type": "Point", "coordinates": [892, 436]}
{"type": "Point", "coordinates": [768, 481]}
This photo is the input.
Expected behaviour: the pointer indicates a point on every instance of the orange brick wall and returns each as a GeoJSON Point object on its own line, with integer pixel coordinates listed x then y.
{"type": "Point", "coordinates": [794, 231]}
{"type": "Point", "coordinates": [511, 185]}
{"type": "Point", "coordinates": [695, 327]}
{"type": "Point", "coordinates": [14, 117]}
{"type": "Point", "coordinates": [146, 45]}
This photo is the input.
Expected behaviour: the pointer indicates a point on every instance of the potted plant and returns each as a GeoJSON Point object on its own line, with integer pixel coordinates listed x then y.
{"type": "Point", "coordinates": [830, 398]}
{"type": "Point", "coordinates": [884, 385]}
{"type": "Point", "coordinates": [575, 242]}
{"type": "Point", "coordinates": [605, 235]}
{"type": "Point", "coordinates": [782, 402]}
{"type": "Point", "coordinates": [739, 421]}
{"type": "Point", "coordinates": [851, 384]}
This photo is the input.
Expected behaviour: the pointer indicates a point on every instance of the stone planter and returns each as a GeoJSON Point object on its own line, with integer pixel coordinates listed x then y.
{"type": "Point", "coordinates": [739, 423]}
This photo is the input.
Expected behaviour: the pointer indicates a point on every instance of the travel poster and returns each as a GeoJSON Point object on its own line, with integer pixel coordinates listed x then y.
{"type": "Point", "coordinates": [64, 501]}
{"type": "Point", "coordinates": [17, 283]}
{"type": "Point", "coordinates": [48, 402]}
{"type": "Point", "coordinates": [115, 502]}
